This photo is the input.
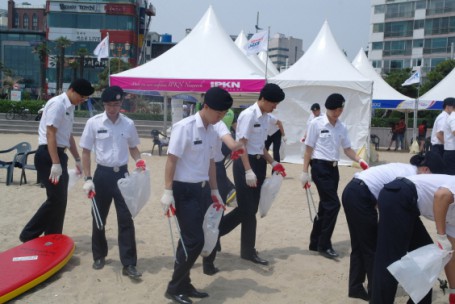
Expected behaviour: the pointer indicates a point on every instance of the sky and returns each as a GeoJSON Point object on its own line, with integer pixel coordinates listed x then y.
{"type": "Point", "coordinates": [349, 20]}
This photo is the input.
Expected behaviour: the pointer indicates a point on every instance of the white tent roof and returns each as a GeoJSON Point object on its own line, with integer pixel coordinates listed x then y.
{"type": "Point", "coordinates": [241, 41]}
{"type": "Point", "coordinates": [444, 89]}
{"type": "Point", "coordinates": [381, 89]}
{"type": "Point", "coordinates": [206, 57]}
{"type": "Point", "coordinates": [324, 64]}
{"type": "Point", "coordinates": [270, 66]}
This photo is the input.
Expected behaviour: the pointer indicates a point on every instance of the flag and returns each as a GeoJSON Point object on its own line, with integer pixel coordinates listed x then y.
{"type": "Point", "coordinates": [415, 78]}
{"type": "Point", "coordinates": [102, 49]}
{"type": "Point", "coordinates": [257, 43]}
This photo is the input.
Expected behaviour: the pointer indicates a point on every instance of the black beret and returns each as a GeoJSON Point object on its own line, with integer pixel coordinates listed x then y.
{"type": "Point", "coordinates": [432, 160]}
{"type": "Point", "coordinates": [218, 99]}
{"type": "Point", "coordinates": [114, 93]}
{"type": "Point", "coordinates": [334, 101]}
{"type": "Point", "coordinates": [315, 107]}
{"type": "Point", "coordinates": [449, 101]}
{"type": "Point", "coordinates": [82, 87]}
{"type": "Point", "coordinates": [272, 92]}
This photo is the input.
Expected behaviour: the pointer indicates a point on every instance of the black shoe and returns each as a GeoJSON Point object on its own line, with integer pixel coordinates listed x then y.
{"type": "Point", "coordinates": [178, 298]}
{"type": "Point", "coordinates": [131, 271]}
{"type": "Point", "coordinates": [209, 269]}
{"type": "Point", "coordinates": [98, 264]}
{"type": "Point", "coordinates": [359, 294]}
{"type": "Point", "coordinates": [256, 259]}
{"type": "Point", "coordinates": [197, 294]}
{"type": "Point", "coordinates": [328, 253]}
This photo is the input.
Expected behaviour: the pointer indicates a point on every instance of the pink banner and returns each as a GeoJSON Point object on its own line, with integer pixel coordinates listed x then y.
{"type": "Point", "coordinates": [188, 85]}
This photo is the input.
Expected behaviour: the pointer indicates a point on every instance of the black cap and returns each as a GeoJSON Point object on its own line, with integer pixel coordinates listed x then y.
{"type": "Point", "coordinates": [449, 101]}
{"type": "Point", "coordinates": [432, 160]}
{"type": "Point", "coordinates": [272, 92]}
{"type": "Point", "coordinates": [334, 101]}
{"type": "Point", "coordinates": [82, 86]}
{"type": "Point", "coordinates": [114, 93]}
{"type": "Point", "coordinates": [315, 107]}
{"type": "Point", "coordinates": [218, 99]}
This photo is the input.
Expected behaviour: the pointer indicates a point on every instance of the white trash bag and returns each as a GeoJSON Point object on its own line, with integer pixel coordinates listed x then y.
{"type": "Point", "coordinates": [269, 190]}
{"type": "Point", "coordinates": [418, 270]}
{"type": "Point", "coordinates": [282, 150]}
{"type": "Point", "coordinates": [210, 226]}
{"type": "Point", "coordinates": [136, 190]}
{"type": "Point", "coordinates": [73, 177]}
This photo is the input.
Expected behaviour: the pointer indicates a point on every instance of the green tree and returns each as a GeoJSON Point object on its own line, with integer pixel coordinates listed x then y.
{"type": "Point", "coordinates": [61, 44]}
{"type": "Point", "coordinates": [437, 74]}
{"type": "Point", "coordinates": [42, 51]}
{"type": "Point", "coordinates": [395, 79]}
{"type": "Point", "coordinates": [116, 66]}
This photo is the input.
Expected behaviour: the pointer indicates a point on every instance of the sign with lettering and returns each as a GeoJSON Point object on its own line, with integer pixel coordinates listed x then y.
{"type": "Point", "coordinates": [75, 34]}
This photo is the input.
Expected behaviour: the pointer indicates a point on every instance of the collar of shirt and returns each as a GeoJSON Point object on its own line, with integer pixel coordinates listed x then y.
{"type": "Point", "coordinates": [67, 101]}
{"type": "Point", "coordinates": [257, 110]}
{"type": "Point", "coordinates": [105, 118]}
{"type": "Point", "coordinates": [327, 122]}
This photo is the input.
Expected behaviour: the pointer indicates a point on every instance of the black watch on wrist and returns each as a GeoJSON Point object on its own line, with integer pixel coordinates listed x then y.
{"type": "Point", "coordinates": [87, 178]}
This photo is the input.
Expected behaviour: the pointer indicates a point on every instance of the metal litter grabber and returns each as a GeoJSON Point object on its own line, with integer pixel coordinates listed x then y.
{"type": "Point", "coordinates": [310, 202]}
{"type": "Point", "coordinates": [169, 214]}
{"type": "Point", "coordinates": [96, 213]}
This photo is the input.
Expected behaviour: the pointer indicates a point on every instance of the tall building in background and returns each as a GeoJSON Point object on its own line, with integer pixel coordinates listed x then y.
{"type": "Point", "coordinates": [284, 51]}
{"type": "Point", "coordinates": [410, 33]}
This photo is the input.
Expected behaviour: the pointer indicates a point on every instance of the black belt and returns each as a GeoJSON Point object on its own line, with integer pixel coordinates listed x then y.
{"type": "Point", "coordinates": [411, 185]}
{"type": "Point", "coordinates": [59, 149]}
{"type": "Point", "coordinates": [331, 163]}
{"type": "Point", "coordinates": [114, 169]}
{"type": "Point", "coordinates": [201, 184]}
{"type": "Point", "coordinates": [256, 156]}
{"type": "Point", "coordinates": [359, 181]}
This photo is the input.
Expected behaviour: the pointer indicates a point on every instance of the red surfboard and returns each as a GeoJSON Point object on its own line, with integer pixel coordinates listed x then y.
{"type": "Point", "coordinates": [31, 263]}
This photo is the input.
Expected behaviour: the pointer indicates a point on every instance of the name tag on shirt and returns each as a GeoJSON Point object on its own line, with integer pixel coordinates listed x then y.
{"type": "Point", "coordinates": [324, 134]}
{"type": "Point", "coordinates": [197, 142]}
{"type": "Point", "coordinates": [256, 125]}
{"type": "Point", "coordinates": [102, 131]}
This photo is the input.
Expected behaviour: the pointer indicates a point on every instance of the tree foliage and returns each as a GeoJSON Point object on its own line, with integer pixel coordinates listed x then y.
{"type": "Point", "coordinates": [437, 74]}
{"type": "Point", "coordinates": [116, 65]}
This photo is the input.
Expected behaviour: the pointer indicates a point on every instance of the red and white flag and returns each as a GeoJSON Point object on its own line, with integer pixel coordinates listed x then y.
{"type": "Point", "coordinates": [102, 49]}
{"type": "Point", "coordinates": [257, 43]}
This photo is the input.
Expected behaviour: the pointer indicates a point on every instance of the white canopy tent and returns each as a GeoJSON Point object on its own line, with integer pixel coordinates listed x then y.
{"type": "Point", "coordinates": [324, 69]}
{"type": "Point", "coordinates": [270, 66]}
{"type": "Point", "coordinates": [444, 89]}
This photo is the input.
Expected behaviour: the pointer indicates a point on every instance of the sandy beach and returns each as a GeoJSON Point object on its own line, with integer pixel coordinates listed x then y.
{"type": "Point", "coordinates": [296, 275]}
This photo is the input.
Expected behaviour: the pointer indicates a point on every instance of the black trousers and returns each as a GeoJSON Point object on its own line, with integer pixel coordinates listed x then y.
{"type": "Point", "coordinates": [191, 203]}
{"type": "Point", "coordinates": [274, 139]}
{"type": "Point", "coordinates": [326, 178]}
{"type": "Point", "coordinates": [449, 160]}
{"type": "Point", "coordinates": [105, 180]}
{"type": "Point", "coordinates": [248, 202]}
{"type": "Point", "coordinates": [50, 216]}
{"type": "Point", "coordinates": [224, 183]}
{"type": "Point", "coordinates": [400, 230]}
{"type": "Point", "coordinates": [438, 148]}
{"type": "Point", "coordinates": [362, 217]}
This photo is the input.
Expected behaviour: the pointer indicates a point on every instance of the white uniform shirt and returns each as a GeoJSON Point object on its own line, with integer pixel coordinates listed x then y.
{"type": "Point", "coordinates": [326, 139]}
{"type": "Point", "coordinates": [254, 126]}
{"type": "Point", "coordinates": [376, 177]}
{"type": "Point", "coordinates": [221, 129]}
{"type": "Point", "coordinates": [438, 126]}
{"type": "Point", "coordinates": [194, 145]}
{"type": "Point", "coordinates": [110, 141]}
{"type": "Point", "coordinates": [58, 112]}
{"type": "Point", "coordinates": [426, 185]}
{"type": "Point", "coordinates": [449, 127]}
{"type": "Point", "coordinates": [273, 125]}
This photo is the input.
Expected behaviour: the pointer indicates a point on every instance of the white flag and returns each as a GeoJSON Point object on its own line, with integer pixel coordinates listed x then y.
{"type": "Point", "coordinates": [415, 78]}
{"type": "Point", "coordinates": [257, 43]}
{"type": "Point", "coordinates": [102, 49]}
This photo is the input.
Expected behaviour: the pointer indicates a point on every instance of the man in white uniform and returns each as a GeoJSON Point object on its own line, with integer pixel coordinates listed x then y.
{"type": "Point", "coordinates": [437, 133]}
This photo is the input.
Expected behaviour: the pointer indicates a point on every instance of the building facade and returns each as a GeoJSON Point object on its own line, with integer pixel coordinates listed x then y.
{"type": "Point", "coordinates": [284, 51]}
{"type": "Point", "coordinates": [410, 34]}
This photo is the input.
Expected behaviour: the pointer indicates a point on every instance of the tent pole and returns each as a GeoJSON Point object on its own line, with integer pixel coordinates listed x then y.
{"type": "Point", "coordinates": [416, 108]}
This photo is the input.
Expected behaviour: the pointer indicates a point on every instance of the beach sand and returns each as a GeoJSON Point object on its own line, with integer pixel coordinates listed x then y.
{"type": "Point", "coordinates": [295, 274]}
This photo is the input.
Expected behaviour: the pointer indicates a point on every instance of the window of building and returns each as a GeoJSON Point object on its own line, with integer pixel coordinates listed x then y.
{"type": "Point", "coordinates": [421, 4]}
{"type": "Point", "coordinates": [435, 61]}
{"type": "Point", "coordinates": [417, 62]}
{"type": "Point", "coordinates": [378, 27]}
{"type": "Point", "coordinates": [376, 64]}
{"type": "Point", "coordinates": [394, 48]}
{"type": "Point", "coordinates": [34, 22]}
{"type": "Point", "coordinates": [419, 24]}
{"type": "Point", "coordinates": [398, 29]}
{"type": "Point", "coordinates": [377, 45]}
{"type": "Point", "coordinates": [379, 9]}
{"type": "Point", "coordinates": [417, 43]}
{"type": "Point", "coordinates": [92, 21]}
{"type": "Point", "coordinates": [25, 21]}
{"type": "Point", "coordinates": [16, 20]}
{"type": "Point", "coordinates": [400, 10]}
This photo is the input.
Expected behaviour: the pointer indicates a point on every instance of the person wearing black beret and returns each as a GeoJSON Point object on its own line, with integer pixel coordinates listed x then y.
{"type": "Point", "coordinates": [437, 133]}
{"type": "Point", "coordinates": [51, 162]}
{"type": "Point", "coordinates": [325, 135]}
{"type": "Point", "coordinates": [251, 168]}
{"type": "Point", "coordinates": [449, 140]}
{"type": "Point", "coordinates": [112, 136]}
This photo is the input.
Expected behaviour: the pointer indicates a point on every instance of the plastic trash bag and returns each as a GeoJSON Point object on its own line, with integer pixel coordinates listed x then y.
{"type": "Point", "coordinates": [210, 226]}
{"type": "Point", "coordinates": [269, 190]}
{"type": "Point", "coordinates": [73, 177]}
{"type": "Point", "coordinates": [418, 270]}
{"type": "Point", "coordinates": [136, 190]}
{"type": "Point", "coordinates": [282, 150]}
{"type": "Point", "coordinates": [414, 149]}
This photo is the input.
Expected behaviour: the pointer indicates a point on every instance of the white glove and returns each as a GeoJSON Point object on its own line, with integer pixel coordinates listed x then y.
{"type": "Point", "coordinates": [56, 172]}
{"type": "Point", "coordinates": [88, 187]}
{"type": "Point", "coordinates": [443, 242]}
{"type": "Point", "coordinates": [78, 167]}
{"type": "Point", "coordinates": [251, 179]}
{"type": "Point", "coordinates": [305, 178]}
{"type": "Point", "coordinates": [284, 139]}
{"type": "Point", "coordinates": [168, 202]}
{"type": "Point", "coordinates": [216, 197]}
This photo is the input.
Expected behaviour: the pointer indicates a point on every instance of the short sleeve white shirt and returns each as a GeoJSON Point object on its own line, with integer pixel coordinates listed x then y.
{"type": "Point", "coordinates": [326, 139]}
{"type": "Point", "coordinates": [194, 145]}
{"type": "Point", "coordinates": [426, 185]}
{"type": "Point", "coordinates": [273, 124]}
{"type": "Point", "coordinates": [110, 141]}
{"type": "Point", "coordinates": [376, 177]}
{"type": "Point", "coordinates": [254, 126]}
{"type": "Point", "coordinates": [449, 127]}
{"type": "Point", "coordinates": [59, 113]}
{"type": "Point", "coordinates": [438, 126]}
{"type": "Point", "coordinates": [222, 130]}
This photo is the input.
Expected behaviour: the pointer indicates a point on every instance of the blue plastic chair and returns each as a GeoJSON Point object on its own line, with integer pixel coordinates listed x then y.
{"type": "Point", "coordinates": [21, 149]}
